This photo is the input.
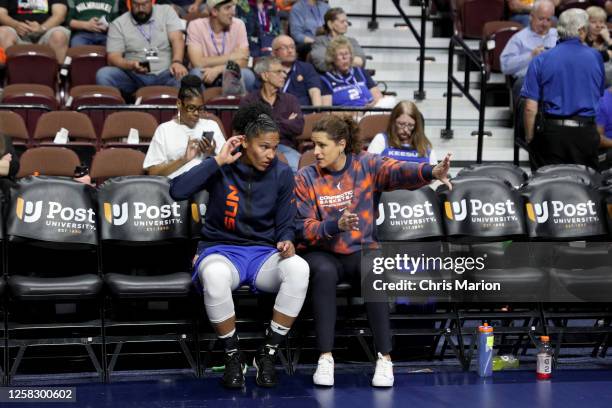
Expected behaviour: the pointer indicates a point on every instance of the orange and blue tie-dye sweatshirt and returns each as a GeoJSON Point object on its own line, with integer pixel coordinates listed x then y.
{"type": "Point", "coordinates": [323, 195]}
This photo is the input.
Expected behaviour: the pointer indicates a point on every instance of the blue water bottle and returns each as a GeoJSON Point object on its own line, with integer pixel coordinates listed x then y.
{"type": "Point", "coordinates": [485, 350]}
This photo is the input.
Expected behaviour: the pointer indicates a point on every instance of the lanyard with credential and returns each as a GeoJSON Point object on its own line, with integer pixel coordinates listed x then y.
{"type": "Point", "coordinates": [263, 20]}
{"type": "Point", "coordinates": [212, 39]}
{"type": "Point", "coordinates": [146, 37]}
{"type": "Point", "coordinates": [291, 72]}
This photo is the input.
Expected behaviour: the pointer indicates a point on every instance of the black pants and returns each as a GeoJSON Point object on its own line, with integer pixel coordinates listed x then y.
{"type": "Point", "coordinates": [557, 144]}
{"type": "Point", "coordinates": [326, 271]}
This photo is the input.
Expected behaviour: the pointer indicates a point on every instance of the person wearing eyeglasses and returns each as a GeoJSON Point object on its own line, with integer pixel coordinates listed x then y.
{"type": "Point", "coordinates": [286, 110]}
{"type": "Point", "coordinates": [404, 138]}
{"type": "Point", "coordinates": [178, 145]}
{"type": "Point", "coordinates": [302, 81]}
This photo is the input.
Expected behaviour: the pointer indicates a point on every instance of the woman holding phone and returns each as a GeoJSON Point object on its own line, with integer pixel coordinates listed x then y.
{"type": "Point", "coordinates": [183, 142]}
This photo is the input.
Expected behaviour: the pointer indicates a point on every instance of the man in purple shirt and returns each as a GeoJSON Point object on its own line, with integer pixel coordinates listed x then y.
{"type": "Point", "coordinates": [286, 110]}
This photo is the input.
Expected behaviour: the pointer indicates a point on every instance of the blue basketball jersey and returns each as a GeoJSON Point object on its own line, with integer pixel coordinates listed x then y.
{"type": "Point", "coordinates": [350, 90]}
{"type": "Point", "coordinates": [406, 153]}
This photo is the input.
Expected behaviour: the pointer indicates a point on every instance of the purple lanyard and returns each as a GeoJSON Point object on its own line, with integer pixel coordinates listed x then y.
{"type": "Point", "coordinates": [261, 15]}
{"type": "Point", "coordinates": [214, 43]}
{"type": "Point", "coordinates": [289, 78]}
{"type": "Point", "coordinates": [146, 37]}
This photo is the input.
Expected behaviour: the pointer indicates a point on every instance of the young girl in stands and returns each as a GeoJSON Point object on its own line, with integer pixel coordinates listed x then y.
{"type": "Point", "coordinates": [405, 138]}
{"type": "Point", "coordinates": [171, 150]}
{"type": "Point", "coordinates": [248, 234]}
{"type": "Point", "coordinates": [335, 200]}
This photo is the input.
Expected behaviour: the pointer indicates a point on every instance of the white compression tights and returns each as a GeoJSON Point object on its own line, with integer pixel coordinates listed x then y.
{"type": "Point", "coordinates": [219, 277]}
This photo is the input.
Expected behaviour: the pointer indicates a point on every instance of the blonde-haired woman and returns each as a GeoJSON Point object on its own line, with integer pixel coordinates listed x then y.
{"type": "Point", "coordinates": [405, 138]}
{"type": "Point", "coordinates": [344, 84]}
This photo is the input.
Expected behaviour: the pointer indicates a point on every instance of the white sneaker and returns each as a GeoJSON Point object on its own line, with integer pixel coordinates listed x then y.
{"type": "Point", "coordinates": [325, 371]}
{"type": "Point", "coordinates": [383, 375]}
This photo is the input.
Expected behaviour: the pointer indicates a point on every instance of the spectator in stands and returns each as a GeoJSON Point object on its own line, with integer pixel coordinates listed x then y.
{"type": "Point", "coordinates": [604, 128]}
{"type": "Point", "coordinates": [34, 21]}
{"type": "Point", "coordinates": [568, 82]}
{"type": "Point", "coordinates": [336, 24]}
{"type": "Point", "coordinates": [305, 19]}
{"type": "Point", "coordinates": [336, 207]}
{"type": "Point", "coordinates": [179, 144]}
{"type": "Point", "coordinates": [302, 81]}
{"type": "Point", "coordinates": [285, 107]}
{"type": "Point", "coordinates": [284, 8]}
{"type": "Point", "coordinates": [405, 138]}
{"type": "Point", "coordinates": [248, 236]}
{"type": "Point", "coordinates": [89, 20]}
{"type": "Point", "coordinates": [262, 25]}
{"type": "Point", "coordinates": [346, 85]}
{"type": "Point", "coordinates": [215, 40]}
{"type": "Point", "coordinates": [528, 43]}
{"type": "Point", "coordinates": [145, 47]}
{"type": "Point", "coordinates": [599, 37]}
{"type": "Point", "coordinates": [520, 10]}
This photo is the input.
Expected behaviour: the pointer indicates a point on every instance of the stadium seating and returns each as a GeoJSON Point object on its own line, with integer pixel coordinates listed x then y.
{"type": "Point", "coordinates": [54, 295]}
{"type": "Point", "coordinates": [303, 140]}
{"type": "Point", "coordinates": [48, 161]}
{"type": "Point", "coordinates": [84, 63]}
{"type": "Point", "coordinates": [145, 263]}
{"type": "Point", "coordinates": [13, 126]}
{"type": "Point", "coordinates": [30, 94]}
{"type": "Point", "coordinates": [118, 125]}
{"type": "Point", "coordinates": [495, 36]}
{"type": "Point", "coordinates": [31, 64]}
{"type": "Point", "coordinates": [115, 162]}
{"type": "Point", "coordinates": [81, 134]}
{"type": "Point", "coordinates": [371, 125]}
{"type": "Point", "coordinates": [470, 16]}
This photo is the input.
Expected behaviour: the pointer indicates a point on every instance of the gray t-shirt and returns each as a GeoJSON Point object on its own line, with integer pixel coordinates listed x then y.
{"type": "Point", "coordinates": [131, 39]}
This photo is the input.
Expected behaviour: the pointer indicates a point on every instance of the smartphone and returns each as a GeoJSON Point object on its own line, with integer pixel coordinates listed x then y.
{"type": "Point", "coordinates": [208, 136]}
{"type": "Point", "coordinates": [146, 65]}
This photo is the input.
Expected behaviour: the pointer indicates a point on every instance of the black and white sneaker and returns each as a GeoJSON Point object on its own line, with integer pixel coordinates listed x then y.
{"type": "Point", "coordinates": [264, 364]}
{"type": "Point", "coordinates": [235, 368]}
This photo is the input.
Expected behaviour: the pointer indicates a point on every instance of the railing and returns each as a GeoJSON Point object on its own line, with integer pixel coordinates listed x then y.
{"type": "Point", "coordinates": [419, 94]}
{"type": "Point", "coordinates": [373, 25]}
{"type": "Point", "coordinates": [471, 58]}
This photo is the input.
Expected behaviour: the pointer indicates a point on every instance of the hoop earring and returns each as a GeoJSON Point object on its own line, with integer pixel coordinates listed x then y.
{"type": "Point", "coordinates": [179, 116]}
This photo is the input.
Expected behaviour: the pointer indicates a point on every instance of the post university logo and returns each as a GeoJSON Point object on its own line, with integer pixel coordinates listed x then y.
{"type": "Point", "coordinates": [142, 215]}
{"type": "Point", "coordinates": [480, 212]}
{"type": "Point", "coordinates": [562, 213]}
{"type": "Point", "coordinates": [197, 212]}
{"type": "Point", "coordinates": [116, 214]}
{"type": "Point", "coordinates": [456, 211]}
{"type": "Point", "coordinates": [27, 211]}
{"type": "Point", "coordinates": [405, 215]}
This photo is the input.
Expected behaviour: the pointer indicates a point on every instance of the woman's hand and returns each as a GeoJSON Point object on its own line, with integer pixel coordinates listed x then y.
{"type": "Point", "coordinates": [7, 157]}
{"type": "Point", "coordinates": [227, 154]}
{"type": "Point", "coordinates": [192, 150]}
{"type": "Point", "coordinates": [286, 249]}
{"type": "Point", "coordinates": [349, 221]}
{"type": "Point", "coordinates": [440, 171]}
{"type": "Point", "coordinates": [207, 147]}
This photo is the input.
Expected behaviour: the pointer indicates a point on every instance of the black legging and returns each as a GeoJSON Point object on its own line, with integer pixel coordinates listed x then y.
{"type": "Point", "coordinates": [326, 271]}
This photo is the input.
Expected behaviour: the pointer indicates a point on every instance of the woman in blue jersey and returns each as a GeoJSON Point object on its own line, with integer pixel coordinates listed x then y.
{"type": "Point", "coordinates": [248, 238]}
{"type": "Point", "coordinates": [405, 136]}
{"type": "Point", "coordinates": [344, 84]}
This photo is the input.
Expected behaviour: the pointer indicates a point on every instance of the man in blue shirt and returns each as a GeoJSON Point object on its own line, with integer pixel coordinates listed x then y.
{"type": "Point", "coordinates": [567, 82]}
{"type": "Point", "coordinates": [303, 82]}
{"type": "Point", "coordinates": [305, 18]}
{"type": "Point", "coordinates": [528, 43]}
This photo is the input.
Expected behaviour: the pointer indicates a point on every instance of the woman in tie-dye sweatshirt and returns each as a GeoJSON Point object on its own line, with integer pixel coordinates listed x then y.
{"type": "Point", "coordinates": [336, 213]}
